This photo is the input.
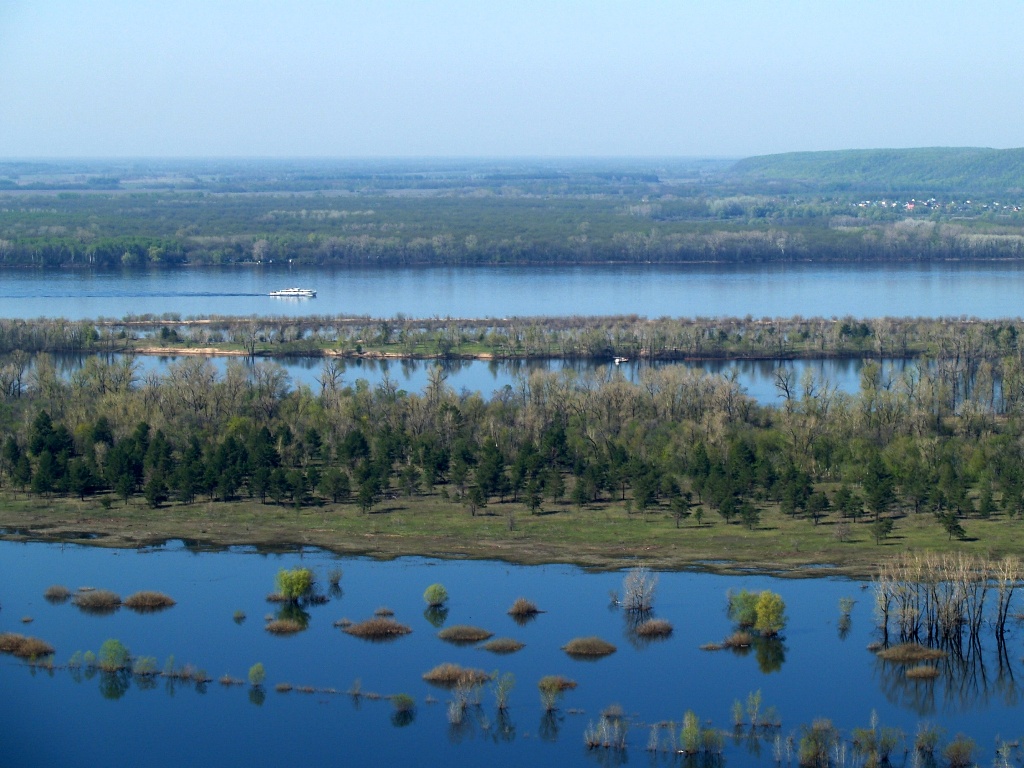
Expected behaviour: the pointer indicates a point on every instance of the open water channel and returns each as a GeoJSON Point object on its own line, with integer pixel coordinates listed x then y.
{"type": "Point", "coordinates": [64, 717]}
{"type": "Point", "coordinates": [946, 289]}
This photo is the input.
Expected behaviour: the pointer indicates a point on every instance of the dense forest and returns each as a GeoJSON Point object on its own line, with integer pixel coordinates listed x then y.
{"type": "Point", "coordinates": [875, 206]}
{"type": "Point", "coordinates": [678, 441]}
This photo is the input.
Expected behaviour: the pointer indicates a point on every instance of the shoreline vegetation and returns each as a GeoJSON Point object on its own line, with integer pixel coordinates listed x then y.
{"type": "Point", "coordinates": [597, 338]}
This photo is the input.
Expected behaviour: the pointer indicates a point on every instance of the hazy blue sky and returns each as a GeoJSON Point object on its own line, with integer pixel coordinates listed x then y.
{"type": "Point", "coordinates": [505, 77]}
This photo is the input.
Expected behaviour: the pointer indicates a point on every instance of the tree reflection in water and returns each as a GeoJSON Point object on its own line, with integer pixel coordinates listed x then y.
{"type": "Point", "coordinates": [970, 677]}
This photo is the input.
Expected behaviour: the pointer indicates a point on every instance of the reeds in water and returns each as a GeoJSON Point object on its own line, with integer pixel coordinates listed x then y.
{"type": "Point", "coordinates": [449, 675]}
{"type": "Point", "coordinates": [148, 601]}
{"type": "Point", "coordinates": [97, 601]}
{"type": "Point", "coordinates": [463, 634]}
{"type": "Point", "coordinates": [284, 626]}
{"type": "Point", "coordinates": [377, 628]}
{"type": "Point", "coordinates": [57, 593]}
{"type": "Point", "coordinates": [24, 647]}
{"type": "Point", "coordinates": [523, 608]}
{"type": "Point", "coordinates": [654, 628]}
{"type": "Point", "coordinates": [922, 672]}
{"type": "Point", "coordinates": [593, 647]}
{"type": "Point", "coordinates": [911, 653]}
{"type": "Point", "coordinates": [503, 645]}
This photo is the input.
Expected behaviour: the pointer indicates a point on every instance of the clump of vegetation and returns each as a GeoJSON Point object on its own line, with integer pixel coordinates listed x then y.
{"type": "Point", "coordinates": [503, 645]}
{"type": "Point", "coordinates": [145, 666]}
{"type": "Point", "coordinates": [739, 639]}
{"type": "Point", "coordinates": [227, 680]}
{"type": "Point", "coordinates": [638, 589]}
{"type": "Point", "coordinates": [377, 628]}
{"type": "Point", "coordinates": [523, 609]}
{"type": "Point", "coordinates": [27, 619]}
{"type": "Point", "coordinates": [654, 628]}
{"type": "Point", "coordinates": [816, 742]}
{"type": "Point", "coordinates": [503, 685]}
{"type": "Point", "coordinates": [24, 647]}
{"type": "Point", "coordinates": [435, 595]}
{"type": "Point", "coordinates": [712, 647]}
{"type": "Point", "coordinates": [403, 702]}
{"type": "Point", "coordinates": [923, 672]}
{"type": "Point", "coordinates": [97, 601]}
{"type": "Point", "coordinates": [294, 584]}
{"type": "Point", "coordinates": [343, 622]}
{"type": "Point", "coordinates": [113, 655]}
{"type": "Point", "coordinates": [57, 593]}
{"type": "Point", "coordinates": [448, 675]}
{"type": "Point", "coordinates": [148, 601]}
{"type": "Point", "coordinates": [283, 687]}
{"type": "Point", "coordinates": [239, 617]}
{"type": "Point", "coordinates": [927, 739]}
{"type": "Point", "coordinates": [284, 626]}
{"type": "Point", "coordinates": [552, 688]}
{"type": "Point", "coordinates": [334, 577]}
{"type": "Point", "coordinates": [911, 653]}
{"type": "Point", "coordinates": [589, 646]}
{"type": "Point", "coordinates": [876, 744]}
{"type": "Point", "coordinates": [383, 611]}
{"type": "Point", "coordinates": [463, 634]}
{"type": "Point", "coordinates": [257, 674]}
{"type": "Point", "coordinates": [762, 611]}
{"type": "Point", "coordinates": [959, 753]}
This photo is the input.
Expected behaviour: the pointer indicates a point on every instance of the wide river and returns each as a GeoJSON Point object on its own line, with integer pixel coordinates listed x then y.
{"type": "Point", "coordinates": [987, 290]}
{"type": "Point", "coordinates": [817, 669]}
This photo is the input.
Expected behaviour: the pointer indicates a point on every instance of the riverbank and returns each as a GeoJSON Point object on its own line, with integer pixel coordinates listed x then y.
{"type": "Point", "coordinates": [600, 538]}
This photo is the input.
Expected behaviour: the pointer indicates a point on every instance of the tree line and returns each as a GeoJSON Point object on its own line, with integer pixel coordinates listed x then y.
{"type": "Point", "coordinates": [677, 442]}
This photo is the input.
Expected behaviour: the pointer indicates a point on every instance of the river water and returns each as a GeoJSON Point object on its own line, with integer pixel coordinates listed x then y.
{"type": "Point", "coordinates": [816, 670]}
{"type": "Point", "coordinates": [987, 290]}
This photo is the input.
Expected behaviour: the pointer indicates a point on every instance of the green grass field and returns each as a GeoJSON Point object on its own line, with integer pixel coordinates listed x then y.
{"type": "Point", "coordinates": [600, 536]}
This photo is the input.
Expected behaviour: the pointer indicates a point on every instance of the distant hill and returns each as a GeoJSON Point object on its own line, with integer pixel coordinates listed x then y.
{"type": "Point", "coordinates": [947, 170]}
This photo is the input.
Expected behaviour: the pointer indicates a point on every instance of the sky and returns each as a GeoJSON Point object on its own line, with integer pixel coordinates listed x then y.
{"type": "Point", "coordinates": [505, 78]}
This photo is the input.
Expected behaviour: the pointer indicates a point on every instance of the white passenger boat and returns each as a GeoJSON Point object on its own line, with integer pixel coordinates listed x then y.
{"type": "Point", "coordinates": [295, 293]}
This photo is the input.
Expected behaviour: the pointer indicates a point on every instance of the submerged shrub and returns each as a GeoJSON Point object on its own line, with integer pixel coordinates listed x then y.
{"type": "Point", "coordinates": [638, 589]}
{"type": "Point", "coordinates": [909, 653]}
{"type": "Point", "coordinates": [97, 601]}
{"type": "Point", "coordinates": [654, 628]}
{"type": "Point", "coordinates": [463, 633]}
{"type": "Point", "coordinates": [57, 593]}
{"type": "Point", "coordinates": [922, 672]}
{"type": "Point", "coordinates": [403, 702]}
{"type": "Point", "coordinates": [503, 645]}
{"type": "Point", "coordinates": [816, 741]}
{"type": "Point", "coordinates": [257, 674]}
{"type": "Point", "coordinates": [24, 647]}
{"type": "Point", "coordinates": [927, 739]}
{"type": "Point", "coordinates": [523, 608]}
{"type": "Point", "coordinates": [294, 584]}
{"type": "Point", "coordinates": [144, 666]}
{"type": "Point", "coordinates": [284, 626]}
{"type": "Point", "coordinates": [435, 595]}
{"type": "Point", "coordinates": [588, 646]}
{"type": "Point", "coordinates": [448, 675]}
{"type": "Point", "coordinates": [377, 628]}
{"type": "Point", "coordinates": [148, 601]}
{"type": "Point", "coordinates": [959, 753]}
{"type": "Point", "coordinates": [551, 688]}
{"type": "Point", "coordinates": [113, 655]}
{"type": "Point", "coordinates": [741, 639]}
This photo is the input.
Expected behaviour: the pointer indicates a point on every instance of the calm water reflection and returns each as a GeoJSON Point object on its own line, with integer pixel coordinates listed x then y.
{"type": "Point", "coordinates": [779, 290]}
{"type": "Point", "coordinates": [113, 720]}
{"type": "Point", "coordinates": [757, 377]}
